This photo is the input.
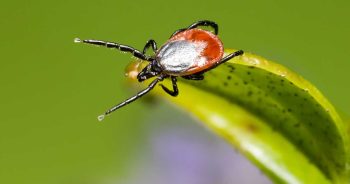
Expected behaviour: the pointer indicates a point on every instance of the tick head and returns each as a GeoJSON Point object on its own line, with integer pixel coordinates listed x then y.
{"type": "Point", "coordinates": [149, 71]}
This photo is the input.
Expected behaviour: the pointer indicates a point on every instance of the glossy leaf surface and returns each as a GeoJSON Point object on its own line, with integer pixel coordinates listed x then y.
{"type": "Point", "coordinates": [276, 118]}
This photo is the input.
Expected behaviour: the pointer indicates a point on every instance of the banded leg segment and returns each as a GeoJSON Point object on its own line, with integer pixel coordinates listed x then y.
{"type": "Point", "coordinates": [135, 97]}
{"type": "Point", "coordinates": [123, 48]}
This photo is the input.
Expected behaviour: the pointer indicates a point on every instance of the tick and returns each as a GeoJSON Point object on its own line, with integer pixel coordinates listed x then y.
{"type": "Point", "coordinates": [189, 53]}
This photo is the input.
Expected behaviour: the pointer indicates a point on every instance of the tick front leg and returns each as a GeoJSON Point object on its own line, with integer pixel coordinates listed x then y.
{"type": "Point", "coordinates": [175, 91]}
{"type": "Point", "coordinates": [133, 98]}
{"type": "Point", "coordinates": [123, 48]}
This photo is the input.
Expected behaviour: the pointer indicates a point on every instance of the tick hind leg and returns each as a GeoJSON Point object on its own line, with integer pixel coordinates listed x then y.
{"type": "Point", "coordinates": [230, 56]}
{"type": "Point", "coordinates": [194, 77]}
{"type": "Point", "coordinates": [225, 59]}
{"type": "Point", "coordinates": [175, 91]}
{"type": "Point", "coordinates": [178, 31]}
{"type": "Point", "coordinates": [123, 48]}
{"type": "Point", "coordinates": [200, 23]}
{"type": "Point", "coordinates": [205, 23]}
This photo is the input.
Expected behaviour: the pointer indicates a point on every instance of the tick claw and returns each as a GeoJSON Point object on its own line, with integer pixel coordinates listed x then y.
{"type": "Point", "coordinates": [101, 117]}
{"type": "Point", "coordinates": [77, 40]}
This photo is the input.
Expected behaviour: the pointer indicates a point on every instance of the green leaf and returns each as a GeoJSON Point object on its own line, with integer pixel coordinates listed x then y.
{"type": "Point", "coordinates": [277, 119]}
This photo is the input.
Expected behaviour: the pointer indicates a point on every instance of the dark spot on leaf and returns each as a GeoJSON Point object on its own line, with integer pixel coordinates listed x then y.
{"type": "Point", "coordinates": [248, 73]}
{"type": "Point", "coordinates": [325, 132]}
{"type": "Point", "coordinates": [273, 128]}
{"type": "Point", "coordinates": [300, 142]}
{"type": "Point", "coordinates": [339, 165]}
{"type": "Point", "coordinates": [225, 84]}
{"type": "Point", "coordinates": [232, 69]}
{"type": "Point", "coordinates": [252, 127]}
{"type": "Point", "coordinates": [282, 80]}
{"type": "Point", "coordinates": [295, 94]}
{"type": "Point", "coordinates": [245, 82]}
{"type": "Point", "coordinates": [249, 93]}
{"type": "Point", "coordinates": [259, 100]}
{"type": "Point", "coordinates": [251, 67]}
{"type": "Point", "coordinates": [289, 110]}
{"type": "Point", "coordinates": [229, 77]}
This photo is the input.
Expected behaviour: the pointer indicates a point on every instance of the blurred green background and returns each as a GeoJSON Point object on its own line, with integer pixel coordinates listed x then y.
{"type": "Point", "coordinates": [52, 89]}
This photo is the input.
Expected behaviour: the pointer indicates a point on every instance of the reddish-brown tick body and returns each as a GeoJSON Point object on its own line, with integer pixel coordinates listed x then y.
{"type": "Point", "coordinates": [190, 52]}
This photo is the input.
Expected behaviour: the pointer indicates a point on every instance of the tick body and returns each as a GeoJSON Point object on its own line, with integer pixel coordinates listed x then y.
{"type": "Point", "coordinates": [189, 53]}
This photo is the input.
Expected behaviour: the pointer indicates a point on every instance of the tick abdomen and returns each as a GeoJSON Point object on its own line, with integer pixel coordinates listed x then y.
{"type": "Point", "coordinates": [179, 56]}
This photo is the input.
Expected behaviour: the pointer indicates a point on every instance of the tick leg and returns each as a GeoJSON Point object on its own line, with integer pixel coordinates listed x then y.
{"type": "Point", "coordinates": [123, 48]}
{"type": "Point", "coordinates": [149, 43]}
{"type": "Point", "coordinates": [230, 56]}
{"type": "Point", "coordinates": [135, 97]}
{"type": "Point", "coordinates": [226, 58]}
{"type": "Point", "coordinates": [200, 23]}
{"type": "Point", "coordinates": [178, 31]}
{"type": "Point", "coordinates": [147, 73]}
{"type": "Point", "coordinates": [194, 77]}
{"type": "Point", "coordinates": [175, 91]}
{"type": "Point", "coordinates": [205, 23]}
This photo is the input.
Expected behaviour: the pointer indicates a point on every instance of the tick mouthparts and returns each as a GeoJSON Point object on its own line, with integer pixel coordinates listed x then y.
{"type": "Point", "coordinates": [77, 40]}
